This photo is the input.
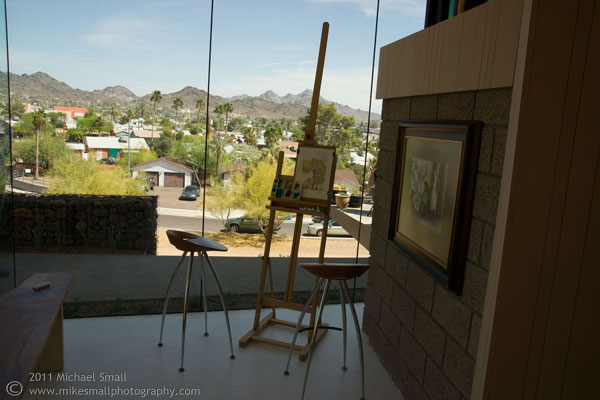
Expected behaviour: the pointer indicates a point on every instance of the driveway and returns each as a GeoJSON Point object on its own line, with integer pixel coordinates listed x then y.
{"type": "Point", "coordinates": [168, 197]}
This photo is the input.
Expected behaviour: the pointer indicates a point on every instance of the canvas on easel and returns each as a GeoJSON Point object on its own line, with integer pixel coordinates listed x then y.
{"type": "Point", "coordinates": [313, 168]}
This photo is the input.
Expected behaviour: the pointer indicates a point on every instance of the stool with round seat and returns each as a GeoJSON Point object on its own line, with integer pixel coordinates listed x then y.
{"type": "Point", "coordinates": [191, 243]}
{"type": "Point", "coordinates": [327, 273]}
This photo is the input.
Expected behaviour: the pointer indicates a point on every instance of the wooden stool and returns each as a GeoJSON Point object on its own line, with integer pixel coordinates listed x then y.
{"type": "Point", "coordinates": [189, 242]}
{"type": "Point", "coordinates": [331, 272]}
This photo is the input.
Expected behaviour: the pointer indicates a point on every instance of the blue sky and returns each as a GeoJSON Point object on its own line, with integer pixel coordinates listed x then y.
{"type": "Point", "coordinates": [257, 44]}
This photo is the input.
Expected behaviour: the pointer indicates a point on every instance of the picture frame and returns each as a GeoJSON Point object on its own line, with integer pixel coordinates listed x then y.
{"type": "Point", "coordinates": [315, 166]}
{"type": "Point", "coordinates": [433, 193]}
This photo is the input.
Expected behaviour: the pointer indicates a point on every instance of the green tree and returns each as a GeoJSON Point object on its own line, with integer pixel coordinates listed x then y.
{"type": "Point", "coordinates": [75, 135]}
{"type": "Point", "coordinates": [177, 104]}
{"type": "Point", "coordinates": [155, 99]}
{"type": "Point", "coordinates": [199, 107]}
{"type": "Point", "coordinates": [49, 149]}
{"type": "Point", "coordinates": [129, 117]}
{"type": "Point", "coordinates": [39, 120]}
{"type": "Point", "coordinates": [273, 133]}
{"type": "Point", "coordinates": [162, 145]}
{"type": "Point", "coordinates": [249, 136]}
{"type": "Point", "coordinates": [236, 124]}
{"type": "Point", "coordinates": [98, 123]}
{"type": "Point", "coordinates": [217, 144]}
{"type": "Point", "coordinates": [91, 121]}
{"type": "Point", "coordinates": [76, 176]}
{"type": "Point", "coordinates": [56, 119]}
{"type": "Point", "coordinates": [113, 113]}
{"type": "Point", "coordinates": [297, 134]}
{"type": "Point", "coordinates": [253, 195]}
{"type": "Point", "coordinates": [227, 109]}
{"type": "Point", "coordinates": [141, 111]}
{"type": "Point", "coordinates": [247, 155]}
{"type": "Point", "coordinates": [335, 129]}
{"type": "Point", "coordinates": [190, 151]}
{"type": "Point", "coordinates": [166, 123]}
{"type": "Point", "coordinates": [25, 126]}
{"type": "Point", "coordinates": [17, 109]}
{"type": "Point", "coordinates": [222, 199]}
{"type": "Point", "coordinates": [137, 158]}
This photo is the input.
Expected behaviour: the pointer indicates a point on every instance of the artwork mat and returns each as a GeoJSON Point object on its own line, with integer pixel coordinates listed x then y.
{"type": "Point", "coordinates": [469, 133]}
{"type": "Point", "coordinates": [328, 157]}
{"type": "Point", "coordinates": [447, 243]}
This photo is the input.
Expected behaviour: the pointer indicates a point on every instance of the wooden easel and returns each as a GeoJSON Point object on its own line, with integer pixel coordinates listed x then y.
{"type": "Point", "coordinates": [300, 208]}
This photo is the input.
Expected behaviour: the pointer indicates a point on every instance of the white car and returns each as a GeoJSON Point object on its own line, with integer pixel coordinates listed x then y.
{"type": "Point", "coordinates": [334, 229]}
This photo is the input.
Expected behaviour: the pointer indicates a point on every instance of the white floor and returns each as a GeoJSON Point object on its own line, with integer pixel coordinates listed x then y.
{"type": "Point", "coordinates": [119, 345]}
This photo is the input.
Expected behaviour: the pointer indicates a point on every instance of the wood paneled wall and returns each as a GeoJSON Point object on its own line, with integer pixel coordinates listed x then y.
{"type": "Point", "coordinates": [474, 50]}
{"type": "Point", "coordinates": [544, 340]}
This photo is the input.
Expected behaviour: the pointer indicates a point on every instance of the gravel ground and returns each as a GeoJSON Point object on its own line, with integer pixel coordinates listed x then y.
{"type": "Point", "coordinates": [309, 247]}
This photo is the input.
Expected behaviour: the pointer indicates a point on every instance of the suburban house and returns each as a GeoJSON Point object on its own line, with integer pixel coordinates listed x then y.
{"type": "Point", "coordinates": [166, 173]}
{"type": "Point", "coordinates": [99, 147]}
{"type": "Point", "coordinates": [73, 111]}
{"type": "Point", "coordinates": [237, 168]}
{"type": "Point", "coordinates": [78, 148]}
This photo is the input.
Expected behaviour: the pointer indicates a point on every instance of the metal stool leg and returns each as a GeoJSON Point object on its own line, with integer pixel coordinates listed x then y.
{"type": "Point", "coordinates": [185, 306]}
{"type": "Point", "coordinates": [299, 324]}
{"type": "Point", "coordinates": [203, 289]}
{"type": "Point", "coordinates": [314, 336]}
{"type": "Point", "coordinates": [359, 337]}
{"type": "Point", "coordinates": [214, 272]}
{"type": "Point", "coordinates": [343, 301]}
{"type": "Point", "coordinates": [165, 305]}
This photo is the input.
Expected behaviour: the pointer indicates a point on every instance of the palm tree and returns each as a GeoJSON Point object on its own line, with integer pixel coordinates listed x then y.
{"type": "Point", "coordinates": [218, 110]}
{"type": "Point", "coordinates": [39, 120]}
{"type": "Point", "coordinates": [218, 144]}
{"type": "Point", "coordinates": [199, 107]}
{"type": "Point", "coordinates": [98, 122]}
{"type": "Point", "coordinates": [128, 117]}
{"type": "Point", "coordinates": [249, 136]}
{"type": "Point", "coordinates": [155, 99]}
{"type": "Point", "coordinates": [142, 111]}
{"type": "Point", "coordinates": [177, 104]}
{"type": "Point", "coordinates": [113, 113]}
{"type": "Point", "coordinates": [227, 109]}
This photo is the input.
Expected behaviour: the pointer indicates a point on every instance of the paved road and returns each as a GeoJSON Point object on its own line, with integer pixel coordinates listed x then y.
{"type": "Point", "coordinates": [212, 225]}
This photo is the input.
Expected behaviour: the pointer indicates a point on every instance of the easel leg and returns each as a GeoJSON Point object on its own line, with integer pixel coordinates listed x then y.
{"type": "Point", "coordinates": [299, 324]}
{"type": "Point", "coordinates": [263, 272]}
{"type": "Point", "coordinates": [289, 286]}
{"type": "Point", "coordinates": [271, 287]}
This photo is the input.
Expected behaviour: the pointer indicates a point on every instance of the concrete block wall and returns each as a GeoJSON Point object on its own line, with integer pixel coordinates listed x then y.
{"type": "Point", "coordinates": [425, 335]}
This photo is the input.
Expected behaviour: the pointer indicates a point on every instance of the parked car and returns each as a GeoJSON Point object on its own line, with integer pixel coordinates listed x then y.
{"type": "Point", "coordinates": [334, 229]}
{"type": "Point", "coordinates": [190, 192]}
{"type": "Point", "coordinates": [246, 224]}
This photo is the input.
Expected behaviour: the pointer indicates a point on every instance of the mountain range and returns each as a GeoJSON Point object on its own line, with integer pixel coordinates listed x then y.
{"type": "Point", "coordinates": [44, 89]}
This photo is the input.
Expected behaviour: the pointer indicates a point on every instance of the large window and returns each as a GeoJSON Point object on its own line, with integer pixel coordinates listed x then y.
{"type": "Point", "coordinates": [115, 139]}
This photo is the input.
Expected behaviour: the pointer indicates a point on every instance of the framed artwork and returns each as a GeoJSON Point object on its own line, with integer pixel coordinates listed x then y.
{"type": "Point", "coordinates": [433, 195]}
{"type": "Point", "coordinates": [314, 166]}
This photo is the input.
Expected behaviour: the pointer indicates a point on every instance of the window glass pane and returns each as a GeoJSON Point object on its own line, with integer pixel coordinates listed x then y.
{"type": "Point", "coordinates": [100, 200]}
{"type": "Point", "coordinates": [6, 239]}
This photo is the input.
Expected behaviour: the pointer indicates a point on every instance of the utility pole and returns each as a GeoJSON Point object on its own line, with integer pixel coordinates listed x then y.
{"type": "Point", "coordinates": [129, 153]}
